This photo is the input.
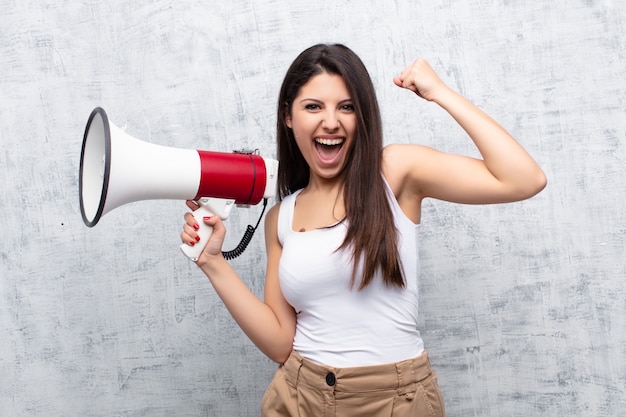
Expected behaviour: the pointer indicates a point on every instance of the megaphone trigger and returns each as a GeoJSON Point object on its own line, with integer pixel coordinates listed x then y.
{"type": "Point", "coordinates": [208, 207]}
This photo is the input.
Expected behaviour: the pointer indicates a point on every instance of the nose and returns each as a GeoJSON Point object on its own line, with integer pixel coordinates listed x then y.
{"type": "Point", "coordinates": [330, 120]}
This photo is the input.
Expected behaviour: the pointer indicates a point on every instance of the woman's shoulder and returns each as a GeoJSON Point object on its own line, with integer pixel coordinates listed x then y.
{"type": "Point", "coordinates": [403, 167]}
{"type": "Point", "coordinates": [271, 224]}
{"type": "Point", "coordinates": [273, 214]}
{"type": "Point", "coordinates": [402, 161]}
{"type": "Point", "coordinates": [273, 211]}
{"type": "Point", "coordinates": [397, 162]}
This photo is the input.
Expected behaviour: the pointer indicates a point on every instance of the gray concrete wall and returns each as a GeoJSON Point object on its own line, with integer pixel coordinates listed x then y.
{"type": "Point", "coordinates": [522, 306]}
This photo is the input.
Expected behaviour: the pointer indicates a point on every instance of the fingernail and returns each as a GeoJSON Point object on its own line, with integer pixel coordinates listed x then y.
{"type": "Point", "coordinates": [196, 226]}
{"type": "Point", "coordinates": [207, 217]}
{"type": "Point", "coordinates": [197, 238]}
{"type": "Point", "coordinates": [192, 243]}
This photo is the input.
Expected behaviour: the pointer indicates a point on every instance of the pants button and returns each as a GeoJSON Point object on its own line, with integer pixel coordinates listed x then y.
{"type": "Point", "coordinates": [331, 379]}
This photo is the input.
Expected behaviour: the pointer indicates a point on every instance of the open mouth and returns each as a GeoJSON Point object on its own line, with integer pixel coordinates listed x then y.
{"type": "Point", "coordinates": [328, 149]}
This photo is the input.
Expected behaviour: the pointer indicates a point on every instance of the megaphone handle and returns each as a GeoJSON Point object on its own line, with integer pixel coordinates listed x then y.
{"type": "Point", "coordinates": [209, 206]}
{"type": "Point", "coordinates": [204, 231]}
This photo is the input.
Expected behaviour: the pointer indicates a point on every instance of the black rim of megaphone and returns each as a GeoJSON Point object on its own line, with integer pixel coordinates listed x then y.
{"type": "Point", "coordinates": [107, 166]}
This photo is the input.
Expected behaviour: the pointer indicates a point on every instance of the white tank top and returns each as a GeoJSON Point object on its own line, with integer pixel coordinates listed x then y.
{"type": "Point", "coordinates": [336, 325]}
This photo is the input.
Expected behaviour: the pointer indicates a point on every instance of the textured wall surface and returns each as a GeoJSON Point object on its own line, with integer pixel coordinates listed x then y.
{"type": "Point", "coordinates": [523, 306]}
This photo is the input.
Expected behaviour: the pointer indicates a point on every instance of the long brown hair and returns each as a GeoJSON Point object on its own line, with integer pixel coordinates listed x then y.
{"type": "Point", "coordinates": [371, 234]}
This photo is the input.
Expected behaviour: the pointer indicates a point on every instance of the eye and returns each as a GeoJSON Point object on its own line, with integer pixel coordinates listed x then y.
{"type": "Point", "coordinates": [312, 106]}
{"type": "Point", "coordinates": [348, 107]}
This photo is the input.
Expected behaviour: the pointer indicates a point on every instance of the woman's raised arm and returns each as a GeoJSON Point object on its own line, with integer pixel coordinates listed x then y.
{"type": "Point", "coordinates": [505, 173]}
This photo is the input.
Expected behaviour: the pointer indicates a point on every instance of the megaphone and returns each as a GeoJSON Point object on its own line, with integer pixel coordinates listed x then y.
{"type": "Point", "coordinates": [116, 169]}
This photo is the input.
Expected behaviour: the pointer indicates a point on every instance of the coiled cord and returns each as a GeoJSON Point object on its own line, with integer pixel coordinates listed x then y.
{"type": "Point", "coordinates": [245, 240]}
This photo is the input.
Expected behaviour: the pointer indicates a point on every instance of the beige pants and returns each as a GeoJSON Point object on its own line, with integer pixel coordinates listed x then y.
{"type": "Point", "coordinates": [306, 389]}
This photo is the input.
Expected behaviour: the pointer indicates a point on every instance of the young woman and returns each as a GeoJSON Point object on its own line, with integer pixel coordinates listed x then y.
{"type": "Point", "coordinates": [340, 305]}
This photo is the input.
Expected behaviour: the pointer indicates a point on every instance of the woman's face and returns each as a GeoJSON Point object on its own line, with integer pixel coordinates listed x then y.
{"type": "Point", "coordinates": [323, 122]}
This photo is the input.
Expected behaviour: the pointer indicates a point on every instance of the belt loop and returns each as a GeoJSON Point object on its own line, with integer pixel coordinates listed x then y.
{"type": "Point", "coordinates": [292, 367]}
{"type": "Point", "coordinates": [300, 360]}
{"type": "Point", "coordinates": [406, 377]}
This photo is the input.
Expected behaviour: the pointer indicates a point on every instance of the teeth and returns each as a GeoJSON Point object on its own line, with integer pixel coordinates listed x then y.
{"type": "Point", "coordinates": [329, 142]}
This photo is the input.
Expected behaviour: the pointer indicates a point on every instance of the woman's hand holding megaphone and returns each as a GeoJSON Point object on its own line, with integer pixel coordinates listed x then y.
{"type": "Point", "coordinates": [206, 232]}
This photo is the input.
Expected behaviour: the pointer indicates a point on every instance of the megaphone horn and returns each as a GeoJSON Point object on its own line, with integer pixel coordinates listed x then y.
{"type": "Point", "coordinates": [116, 169]}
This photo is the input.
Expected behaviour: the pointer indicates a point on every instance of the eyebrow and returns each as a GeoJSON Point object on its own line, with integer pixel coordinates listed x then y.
{"type": "Point", "coordinates": [321, 101]}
